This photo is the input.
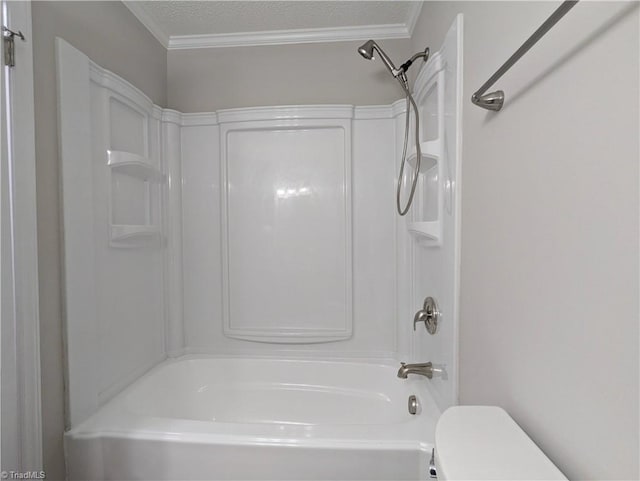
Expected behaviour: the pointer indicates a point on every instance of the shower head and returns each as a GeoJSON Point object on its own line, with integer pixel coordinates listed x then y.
{"type": "Point", "coordinates": [366, 50]}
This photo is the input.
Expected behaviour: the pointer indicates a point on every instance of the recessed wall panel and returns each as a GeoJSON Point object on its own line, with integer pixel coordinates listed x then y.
{"type": "Point", "coordinates": [287, 255]}
{"type": "Point", "coordinates": [129, 200]}
{"type": "Point", "coordinates": [128, 128]}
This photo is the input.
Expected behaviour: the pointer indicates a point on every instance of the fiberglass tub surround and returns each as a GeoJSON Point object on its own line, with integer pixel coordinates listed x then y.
{"type": "Point", "coordinates": [252, 288]}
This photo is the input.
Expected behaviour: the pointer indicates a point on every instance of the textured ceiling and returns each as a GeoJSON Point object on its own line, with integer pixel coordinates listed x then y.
{"type": "Point", "coordinates": [177, 18]}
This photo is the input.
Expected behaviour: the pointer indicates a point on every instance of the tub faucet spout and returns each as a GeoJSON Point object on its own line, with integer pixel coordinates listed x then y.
{"type": "Point", "coordinates": [424, 369]}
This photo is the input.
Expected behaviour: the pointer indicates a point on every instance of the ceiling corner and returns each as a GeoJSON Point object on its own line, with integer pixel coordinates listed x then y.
{"type": "Point", "coordinates": [147, 21]}
{"type": "Point", "coordinates": [412, 17]}
{"type": "Point", "coordinates": [276, 37]}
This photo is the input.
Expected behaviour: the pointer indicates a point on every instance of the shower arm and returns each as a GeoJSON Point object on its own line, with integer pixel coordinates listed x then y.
{"type": "Point", "coordinates": [402, 71]}
{"type": "Point", "coordinates": [423, 55]}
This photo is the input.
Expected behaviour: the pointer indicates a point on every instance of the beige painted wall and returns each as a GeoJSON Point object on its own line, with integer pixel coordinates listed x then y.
{"type": "Point", "coordinates": [203, 80]}
{"type": "Point", "coordinates": [109, 34]}
{"type": "Point", "coordinates": [549, 294]}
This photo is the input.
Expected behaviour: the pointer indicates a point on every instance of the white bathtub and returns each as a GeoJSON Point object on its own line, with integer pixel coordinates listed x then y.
{"type": "Point", "coordinates": [239, 418]}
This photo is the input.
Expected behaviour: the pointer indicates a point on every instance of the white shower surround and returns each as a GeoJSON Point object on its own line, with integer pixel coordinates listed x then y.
{"type": "Point", "coordinates": [181, 238]}
{"type": "Point", "coordinates": [286, 226]}
{"type": "Point", "coordinates": [186, 147]}
{"type": "Point", "coordinates": [370, 145]}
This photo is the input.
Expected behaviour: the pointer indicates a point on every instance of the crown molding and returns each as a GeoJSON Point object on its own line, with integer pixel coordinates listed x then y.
{"type": "Point", "coordinates": [414, 14]}
{"type": "Point", "coordinates": [277, 37]}
{"type": "Point", "coordinates": [293, 36]}
{"type": "Point", "coordinates": [147, 21]}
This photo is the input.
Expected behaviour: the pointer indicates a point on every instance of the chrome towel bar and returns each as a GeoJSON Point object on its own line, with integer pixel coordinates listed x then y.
{"type": "Point", "coordinates": [495, 100]}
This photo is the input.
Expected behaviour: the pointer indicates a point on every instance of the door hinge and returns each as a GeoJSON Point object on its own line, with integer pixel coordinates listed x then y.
{"type": "Point", "coordinates": [10, 46]}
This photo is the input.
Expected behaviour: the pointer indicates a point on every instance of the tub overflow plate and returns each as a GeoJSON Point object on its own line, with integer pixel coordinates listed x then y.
{"type": "Point", "coordinates": [413, 404]}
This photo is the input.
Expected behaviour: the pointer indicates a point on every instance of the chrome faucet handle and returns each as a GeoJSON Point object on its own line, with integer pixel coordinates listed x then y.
{"type": "Point", "coordinates": [421, 316]}
{"type": "Point", "coordinates": [429, 314]}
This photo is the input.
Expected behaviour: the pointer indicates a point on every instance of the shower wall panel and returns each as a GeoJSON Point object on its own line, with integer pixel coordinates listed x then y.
{"type": "Point", "coordinates": [334, 141]}
{"type": "Point", "coordinates": [429, 235]}
{"type": "Point", "coordinates": [286, 234]}
{"type": "Point", "coordinates": [112, 178]}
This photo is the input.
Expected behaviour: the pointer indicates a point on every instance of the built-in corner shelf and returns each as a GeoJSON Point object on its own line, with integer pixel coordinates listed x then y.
{"type": "Point", "coordinates": [134, 165]}
{"type": "Point", "coordinates": [427, 232]}
{"type": "Point", "coordinates": [121, 233]}
{"type": "Point", "coordinates": [143, 169]}
{"type": "Point", "coordinates": [425, 222]}
{"type": "Point", "coordinates": [430, 155]}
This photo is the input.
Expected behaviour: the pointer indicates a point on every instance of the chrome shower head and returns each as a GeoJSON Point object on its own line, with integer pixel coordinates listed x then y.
{"type": "Point", "coordinates": [366, 50]}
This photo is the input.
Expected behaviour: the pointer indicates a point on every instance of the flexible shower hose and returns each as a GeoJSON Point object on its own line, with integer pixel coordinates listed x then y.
{"type": "Point", "coordinates": [410, 103]}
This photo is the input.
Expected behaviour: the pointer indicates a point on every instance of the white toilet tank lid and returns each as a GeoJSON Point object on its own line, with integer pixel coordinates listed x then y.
{"type": "Point", "coordinates": [483, 442]}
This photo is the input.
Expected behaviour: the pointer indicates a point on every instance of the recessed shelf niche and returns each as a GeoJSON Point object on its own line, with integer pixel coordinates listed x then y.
{"type": "Point", "coordinates": [425, 221]}
{"type": "Point", "coordinates": [142, 175]}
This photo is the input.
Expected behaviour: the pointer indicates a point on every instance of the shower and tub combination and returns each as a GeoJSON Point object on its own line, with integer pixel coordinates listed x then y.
{"type": "Point", "coordinates": [240, 289]}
